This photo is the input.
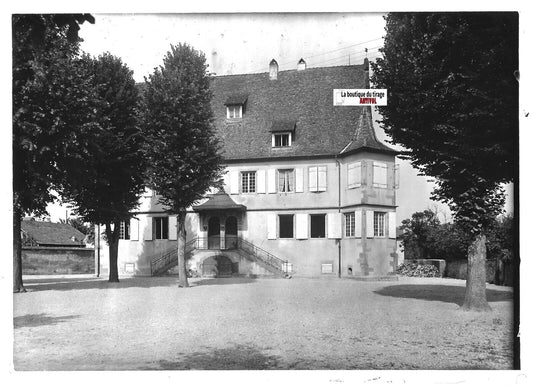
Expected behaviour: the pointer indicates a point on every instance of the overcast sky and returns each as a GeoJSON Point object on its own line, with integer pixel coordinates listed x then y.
{"type": "Point", "coordinates": [245, 43]}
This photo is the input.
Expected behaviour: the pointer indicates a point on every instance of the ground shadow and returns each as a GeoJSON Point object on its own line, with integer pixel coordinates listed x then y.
{"type": "Point", "coordinates": [70, 284]}
{"type": "Point", "coordinates": [36, 320]}
{"type": "Point", "coordinates": [440, 293]}
{"type": "Point", "coordinates": [223, 281]}
{"type": "Point", "coordinates": [239, 357]}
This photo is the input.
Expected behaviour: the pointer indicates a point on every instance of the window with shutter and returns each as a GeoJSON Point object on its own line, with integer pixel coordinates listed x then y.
{"type": "Point", "coordinates": [379, 224]}
{"type": "Point", "coordinates": [286, 180]}
{"type": "Point", "coordinates": [286, 226]}
{"type": "Point", "coordinates": [318, 226]}
{"type": "Point", "coordinates": [160, 228]}
{"type": "Point", "coordinates": [349, 224]}
{"type": "Point", "coordinates": [124, 230]}
{"type": "Point", "coordinates": [248, 182]}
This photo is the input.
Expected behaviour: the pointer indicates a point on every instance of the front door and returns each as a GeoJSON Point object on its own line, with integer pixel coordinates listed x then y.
{"type": "Point", "coordinates": [231, 232]}
{"type": "Point", "coordinates": [213, 233]}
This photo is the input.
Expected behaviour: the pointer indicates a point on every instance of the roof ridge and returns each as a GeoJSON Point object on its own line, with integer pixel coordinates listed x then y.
{"type": "Point", "coordinates": [291, 70]}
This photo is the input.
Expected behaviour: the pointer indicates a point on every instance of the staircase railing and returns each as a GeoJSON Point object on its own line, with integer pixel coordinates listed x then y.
{"type": "Point", "coordinates": [170, 258]}
{"type": "Point", "coordinates": [263, 255]}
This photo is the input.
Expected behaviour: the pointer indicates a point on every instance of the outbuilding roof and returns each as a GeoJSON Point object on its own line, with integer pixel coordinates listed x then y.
{"type": "Point", "coordinates": [50, 233]}
{"type": "Point", "coordinates": [304, 97]}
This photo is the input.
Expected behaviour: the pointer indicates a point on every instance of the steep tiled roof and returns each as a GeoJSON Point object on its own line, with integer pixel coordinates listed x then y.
{"type": "Point", "coordinates": [364, 136]}
{"type": "Point", "coordinates": [304, 97]}
{"type": "Point", "coordinates": [49, 233]}
{"type": "Point", "coordinates": [220, 200]}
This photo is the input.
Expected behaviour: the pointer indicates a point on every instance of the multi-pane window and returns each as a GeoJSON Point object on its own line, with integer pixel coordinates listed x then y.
{"type": "Point", "coordinates": [317, 178]}
{"type": "Point", "coordinates": [160, 228]}
{"type": "Point", "coordinates": [286, 226]}
{"type": "Point", "coordinates": [281, 139]}
{"type": "Point", "coordinates": [380, 175]}
{"type": "Point", "coordinates": [234, 111]}
{"type": "Point", "coordinates": [379, 224]}
{"type": "Point", "coordinates": [349, 224]}
{"type": "Point", "coordinates": [248, 182]}
{"type": "Point", "coordinates": [124, 230]}
{"type": "Point", "coordinates": [286, 180]}
{"type": "Point", "coordinates": [318, 226]}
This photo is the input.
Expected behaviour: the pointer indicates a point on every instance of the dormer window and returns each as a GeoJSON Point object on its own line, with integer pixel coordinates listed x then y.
{"type": "Point", "coordinates": [281, 139]}
{"type": "Point", "coordinates": [282, 133]}
{"type": "Point", "coordinates": [235, 105]}
{"type": "Point", "coordinates": [234, 111]}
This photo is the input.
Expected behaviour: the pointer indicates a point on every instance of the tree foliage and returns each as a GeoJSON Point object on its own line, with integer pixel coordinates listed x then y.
{"type": "Point", "coordinates": [453, 104]}
{"type": "Point", "coordinates": [105, 176]}
{"type": "Point", "coordinates": [50, 105]}
{"type": "Point", "coordinates": [181, 147]}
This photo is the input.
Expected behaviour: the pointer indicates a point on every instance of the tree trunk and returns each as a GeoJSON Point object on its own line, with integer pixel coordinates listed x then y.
{"type": "Point", "coordinates": [476, 295]}
{"type": "Point", "coordinates": [18, 286]}
{"type": "Point", "coordinates": [112, 241]}
{"type": "Point", "coordinates": [182, 238]}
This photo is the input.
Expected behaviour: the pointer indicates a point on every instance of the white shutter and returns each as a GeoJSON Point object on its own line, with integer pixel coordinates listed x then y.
{"type": "Point", "coordinates": [313, 179]}
{"type": "Point", "coordinates": [322, 178]}
{"type": "Point", "coordinates": [271, 180]}
{"type": "Point", "coordinates": [364, 173]}
{"type": "Point", "coordinates": [299, 188]}
{"type": "Point", "coordinates": [261, 181]}
{"type": "Point", "coordinates": [396, 176]}
{"type": "Point", "coordinates": [358, 223]}
{"type": "Point", "coordinates": [302, 226]}
{"type": "Point", "coordinates": [234, 182]}
{"type": "Point", "coordinates": [271, 226]}
{"type": "Point", "coordinates": [380, 174]}
{"type": "Point", "coordinates": [147, 232]}
{"type": "Point", "coordinates": [354, 175]}
{"type": "Point", "coordinates": [227, 182]}
{"type": "Point", "coordinates": [134, 229]}
{"type": "Point", "coordinates": [172, 228]}
{"type": "Point", "coordinates": [369, 223]}
{"type": "Point", "coordinates": [334, 225]}
{"type": "Point", "coordinates": [392, 225]}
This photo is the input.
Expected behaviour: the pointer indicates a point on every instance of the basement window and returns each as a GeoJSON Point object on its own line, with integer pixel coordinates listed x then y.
{"type": "Point", "coordinates": [327, 268]}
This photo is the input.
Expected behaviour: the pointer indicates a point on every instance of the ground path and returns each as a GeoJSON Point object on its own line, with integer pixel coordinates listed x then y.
{"type": "Point", "coordinates": [84, 323]}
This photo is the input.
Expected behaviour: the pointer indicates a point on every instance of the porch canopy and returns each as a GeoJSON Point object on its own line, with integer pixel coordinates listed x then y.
{"type": "Point", "coordinates": [219, 201]}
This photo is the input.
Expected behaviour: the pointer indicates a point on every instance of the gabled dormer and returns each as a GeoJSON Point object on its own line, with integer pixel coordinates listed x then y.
{"type": "Point", "coordinates": [282, 133]}
{"type": "Point", "coordinates": [235, 106]}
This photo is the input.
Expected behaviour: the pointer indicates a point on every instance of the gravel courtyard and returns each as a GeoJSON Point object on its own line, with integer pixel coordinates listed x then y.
{"type": "Point", "coordinates": [84, 323]}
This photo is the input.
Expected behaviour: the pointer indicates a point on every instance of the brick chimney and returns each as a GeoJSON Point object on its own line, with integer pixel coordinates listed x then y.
{"type": "Point", "coordinates": [301, 65]}
{"type": "Point", "coordinates": [273, 69]}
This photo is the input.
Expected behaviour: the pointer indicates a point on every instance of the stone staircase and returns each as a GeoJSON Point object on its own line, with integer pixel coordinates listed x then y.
{"type": "Point", "coordinates": [273, 264]}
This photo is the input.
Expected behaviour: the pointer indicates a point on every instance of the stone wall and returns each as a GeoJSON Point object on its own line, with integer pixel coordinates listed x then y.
{"type": "Point", "coordinates": [57, 260]}
{"type": "Point", "coordinates": [501, 273]}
